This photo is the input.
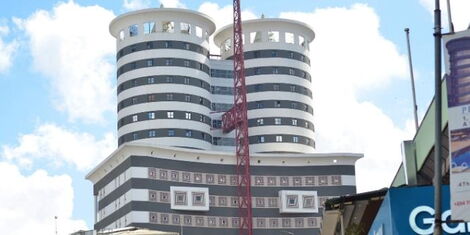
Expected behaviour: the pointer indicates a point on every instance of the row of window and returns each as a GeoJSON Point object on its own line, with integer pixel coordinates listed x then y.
{"type": "Point", "coordinates": [219, 90]}
{"type": "Point", "coordinates": [277, 70]}
{"type": "Point", "coordinates": [162, 62]}
{"type": "Point", "coordinates": [162, 27]}
{"type": "Point", "coordinates": [272, 36]}
{"type": "Point", "coordinates": [268, 121]}
{"type": "Point", "coordinates": [159, 44]}
{"type": "Point", "coordinates": [187, 133]}
{"type": "Point", "coordinates": [164, 114]}
{"type": "Point", "coordinates": [163, 79]}
{"type": "Point", "coordinates": [156, 97]}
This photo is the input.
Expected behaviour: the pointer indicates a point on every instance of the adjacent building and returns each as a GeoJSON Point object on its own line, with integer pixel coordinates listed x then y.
{"type": "Point", "coordinates": [174, 169]}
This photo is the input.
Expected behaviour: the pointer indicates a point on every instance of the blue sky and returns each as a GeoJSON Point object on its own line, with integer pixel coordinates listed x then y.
{"type": "Point", "coordinates": [58, 86]}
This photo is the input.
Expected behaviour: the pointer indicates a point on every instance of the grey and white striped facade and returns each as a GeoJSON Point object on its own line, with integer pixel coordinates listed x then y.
{"type": "Point", "coordinates": [172, 153]}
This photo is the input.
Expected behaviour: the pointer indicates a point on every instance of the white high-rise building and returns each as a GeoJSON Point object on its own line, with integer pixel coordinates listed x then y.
{"type": "Point", "coordinates": [174, 167]}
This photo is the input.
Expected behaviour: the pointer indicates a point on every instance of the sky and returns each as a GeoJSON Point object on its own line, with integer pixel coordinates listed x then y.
{"type": "Point", "coordinates": [59, 105]}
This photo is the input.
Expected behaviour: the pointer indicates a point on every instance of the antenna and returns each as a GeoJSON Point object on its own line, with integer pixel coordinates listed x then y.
{"type": "Point", "coordinates": [449, 11]}
{"type": "Point", "coordinates": [415, 107]}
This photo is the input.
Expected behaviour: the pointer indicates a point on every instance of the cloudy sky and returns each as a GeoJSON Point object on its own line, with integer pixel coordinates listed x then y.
{"type": "Point", "coordinates": [58, 99]}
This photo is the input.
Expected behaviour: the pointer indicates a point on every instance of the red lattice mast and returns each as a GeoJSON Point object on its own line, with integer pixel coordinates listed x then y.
{"type": "Point", "coordinates": [236, 119]}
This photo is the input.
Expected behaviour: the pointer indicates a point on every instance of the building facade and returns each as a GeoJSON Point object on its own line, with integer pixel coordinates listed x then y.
{"type": "Point", "coordinates": [174, 169]}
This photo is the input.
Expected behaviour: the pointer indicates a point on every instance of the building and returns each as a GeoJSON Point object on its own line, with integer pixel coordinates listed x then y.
{"type": "Point", "coordinates": [174, 169]}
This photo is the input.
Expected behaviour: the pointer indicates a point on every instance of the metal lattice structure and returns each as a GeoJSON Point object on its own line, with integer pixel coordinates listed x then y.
{"type": "Point", "coordinates": [236, 119]}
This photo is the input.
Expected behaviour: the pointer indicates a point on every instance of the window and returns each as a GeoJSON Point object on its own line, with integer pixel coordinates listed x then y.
{"type": "Point", "coordinates": [188, 116]}
{"type": "Point", "coordinates": [186, 63]}
{"type": "Point", "coordinates": [187, 98]}
{"type": "Point", "coordinates": [133, 65]}
{"type": "Point", "coordinates": [201, 100]}
{"type": "Point", "coordinates": [257, 87]}
{"type": "Point", "coordinates": [257, 54]}
{"type": "Point", "coordinates": [293, 105]}
{"type": "Point", "coordinates": [133, 30]}
{"type": "Point", "coordinates": [150, 80]}
{"type": "Point", "coordinates": [151, 115]}
{"type": "Point", "coordinates": [151, 98]}
{"type": "Point", "coordinates": [278, 138]}
{"type": "Point", "coordinates": [255, 37]}
{"type": "Point", "coordinates": [294, 122]}
{"type": "Point", "coordinates": [275, 70]}
{"type": "Point", "coordinates": [306, 125]}
{"type": "Point", "coordinates": [168, 27]}
{"type": "Point", "coordinates": [260, 139]}
{"type": "Point", "coordinates": [292, 201]}
{"type": "Point", "coordinates": [135, 136]}
{"type": "Point", "coordinates": [188, 133]}
{"type": "Point", "coordinates": [260, 122]}
{"type": "Point", "coordinates": [302, 41]}
{"type": "Point", "coordinates": [307, 141]}
{"type": "Point", "coordinates": [295, 139]}
{"type": "Point", "coordinates": [168, 62]}
{"type": "Point", "coordinates": [198, 31]}
{"type": "Point", "coordinates": [259, 105]}
{"type": "Point", "coordinates": [170, 114]}
{"type": "Point", "coordinates": [273, 53]}
{"type": "Point", "coordinates": [257, 71]}
{"type": "Point", "coordinates": [122, 35]}
{"type": "Point", "coordinates": [135, 118]}
{"type": "Point", "coordinates": [168, 44]}
{"type": "Point", "coordinates": [185, 28]}
{"type": "Point", "coordinates": [273, 36]}
{"type": "Point", "coordinates": [291, 72]}
{"type": "Point", "coordinates": [290, 38]}
{"type": "Point", "coordinates": [276, 87]}
{"type": "Point", "coordinates": [149, 63]}
{"type": "Point", "coordinates": [171, 132]}
{"type": "Point", "coordinates": [152, 133]}
{"type": "Point", "coordinates": [202, 118]}
{"type": "Point", "coordinates": [149, 27]}
{"type": "Point", "coordinates": [169, 79]}
{"type": "Point", "coordinates": [198, 198]}
{"type": "Point", "coordinates": [293, 88]}
{"type": "Point", "coordinates": [277, 121]}
{"type": "Point", "coordinates": [149, 45]}
{"type": "Point", "coordinates": [169, 96]}
{"type": "Point", "coordinates": [187, 46]}
{"type": "Point", "coordinates": [186, 81]}
{"type": "Point", "coordinates": [134, 100]}
{"type": "Point", "coordinates": [277, 104]}
{"type": "Point", "coordinates": [227, 45]}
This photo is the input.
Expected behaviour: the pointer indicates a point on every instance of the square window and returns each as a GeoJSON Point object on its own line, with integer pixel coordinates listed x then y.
{"type": "Point", "coordinates": [186, 177]}
{"type": "Point", "coordinates": [188, 116]}
{"type": "Point", "coordinates": [199, 221]}
{"type": "Point", "coordinates": [255, 37]}
{"type": "Point", "coordinates": [272, 202]}
{"type": "Point", "coordinates": [293, 88]}
{"type": "Point", "coordinates": [308, 201]}
{"type": "Point", "coordinates": [273, 36]}
{"type": "Point", "coordinates": [187, 46]}
{"type": "Point", "coordinates": [135, 136]}
{"type": "Point", "coordinates": [295, 139]}
{"type": "Point", "coordinates": [149, 45]}
{"type": "Point", "coordinates": [277, 121]}
{"type": "Point", "coordinates": [294, 122]}
{"type": "Point", "coordinates": [164, 197]}
{"type": "Point", "coordinates": [271, 180]}
{"type": "Point", "coordinates": [259, 105]}
{"type": "Point", "coordinates": [186, 81]}
{"type": "Point", "coordinates": [223, 222]}
{"type": "Point", "coordinates": [209, 179]}
{"type": "Point", "coordinates": [259, 202]}
{"type": "Point", "coordinates": [168, 27]}
{"type": "Point", "coordinates": [187, 98]}
{"type": "Point", "coordinates": [198, 199]}
{"type": "Point", "coordinates": [260, 222]}
{"type": "Point", "coordinates": [279, 138]}
{"type": "Point", "coordinates": [170, 114]}
{"type": "Point", "coordinates": [150, 80]}
{"type": "Point", "coordinates": [175, 219]}
{"type": "Point", "coordinates": [323, 180]}
{"type": "Point", "coordinates": [277, 104]}
{"type": "Point", "coordinates": [168, 62]}
{"type": "Point", "coordinates": [197, 178]}
{"type": "Point", "coordinates": [211, 221]}
{"type": "Point", "coordinates": [164, 218]}
{"type": "Point", "coordinates": [336, 179]}
{"type": "Point", "coordinates": [133, 30]}
{"type": "Point", "coordinates": [185, 28]}
{"type": "Point", "coordinates": [276, 86]}
{"type": "Point", "coordinates": [163, 174]}
{"type": "Point", "coordinates": [291, 72]}
{"type": "Point", "coordinates": [297, 181]}
{"type": "Point", "coordinates": [151, 115]}
{"type": "Point", "coordinates": [284, 181]}
{"type": "Point", "coordinates": [187, 220]}
{"type": "Point", "coordinates": [310, 180]}
{"type": "Point", "coordinates": [188, 133]}
{"type": "Point", "coordinates": [174, 175]}
{"type": "Point", "coordinates": [151, 98]}
{"type": "Point", "coordinates": [152, 196]}
{"type": "Point", "coordinates": [180, 198]}
{"type": "Point", "coordinates": [260, 121]}
{"type": "Point", "coordinates": [292, 201]}
{"type": "Point", "coordinates": [299, 222]}
{"type": "Point", "coordinates": [256, 54]}
{"type": "Point", "coordinates": [134, 100]}
{"type": "Point", "coordinates": [273, 223]}
{"type": "Point", "coordinates": [152, 133]}
{"type": "Point", "coordinates": [153, 217]}
{"type": "Point", "coordinates": [199, 31]}
{"type": "Point", "coordinates": [273, 53]}
{"type": "Point", "coordinates": [261, 139]}
{"type": "Point", "coordinates": [222, 201]}
{"type": "Point", "coordinates": [290, 38]}
{"type": "Point", "coordinates": [186, 63]}
{"type": "Point", "coordinates": [259, 180]}
{"type": "Point", "coordinates": [222, 179]}
{"type": "Point", "coordinates": [135, 118]}
{"type": "Point", "coordinates": [149, 27]}
{"type": "Point", "coordinates": [171, 132]}
{"type": "Point", "coordinates": [257, 87]}
{"type": "Point", "coordinates": [149, 63]}
{"type": "Point", "coordinates": [234, 201]}
{"type": "Point", "coordinates": [286, 223]}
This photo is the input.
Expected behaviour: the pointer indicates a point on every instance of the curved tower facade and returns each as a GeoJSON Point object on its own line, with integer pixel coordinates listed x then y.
{"type": "Point", "coordinates": [163, 77]}
{"type": "Point", "coordinates": [278, 83]}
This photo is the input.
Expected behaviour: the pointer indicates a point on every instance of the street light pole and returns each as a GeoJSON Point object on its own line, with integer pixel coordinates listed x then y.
{"type": "Point", "coordinates": [438, 107]}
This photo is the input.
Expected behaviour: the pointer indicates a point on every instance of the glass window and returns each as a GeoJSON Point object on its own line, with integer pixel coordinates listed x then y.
{"type": "Point", "coordinates": [185, 28]}
{"type": "Point", "coordinates": [133, 30]}
{"type": "Point", "coordinates": [170, 114]}
{"type": "Point", "coordinates": [149, 27]}
{"type": "Point", "coordinates": [186, 81]}
{"type": "Point", "coordinates": [201, 100]}
{"type": "Point", "coordinates": [294, 122]}
{"type": "Point", "coordinates": [135, 118]}
{"type": "Point", "coordinates": [255, 37]}
{"type": "Point", "coordinates": [186, 63]}
{"type": "Point", "coordinates": [302, 41]}
{"type": "Point", "coordinates": [227, 45]}
{"type": "Point", "coordinates": [261, 139]}
{"type": "Point", "coordinates": [149, 63]}
{"type": "Point", "coordinates": [257, 71]}
{"type": "Point", "coordinates": [256, 54]}
{"type": "Point", "coordinates": [171, 132]}
{"type": "Point", "coordinates": [275, 70]}
{"type": "Point", "coordinates": [273, 53]}
{"type": "Point", "coordinates": [122, 35]}
{"type": "Point", "coordinates": [293, 88]}
{"type": "Point", "coordinates": [150, 80]}
{"type": "Point", "coordinates": [168, 62]}
{"type": "Point", "coordinates": [169, 79]}
{"type": "Point", "coordinates": [295, 139]}
{"type": "Point", "coordinates": [168, 27]}
{"type": "Point", "coordinates": [277, 121]}
{"type": "Point", "coordinates": [273, 36]}
{"type": "Point", "coordinates": [169, 96]}
{"type": "Point", "coordinates": [188, 116]}
{"type": "Point", "coordinates": [149, 45]}
{"type": "Point", "coordinates": [134, 100]}
{"type": "Point", "coordinates": [198, 31]}
{"type": "Point", "coordinates": [187, 98]}
{"type": "Point", "coordinates": [276, 87]}
{"type": "Point", "coordinates": [278, 138]}
{"type": "Point", "coordinates": [306, 125]}
{"type": "Point", "coordinates": [259, 105]}
{"type": "Point", "coordinates": [187, 46]}
{"type": "Point", "coordinates": [277, 104]}
{"type": "Point", "coordinates": [260, 122]}
{"type": "Point", "coordinates": [152, 133]}
{"type": "Point", "coordinates": [135, 136]}
{"type": "Point", "coordinates": [291, 72]}
{"type": "Point", "coordinates": [188, 133]}
{"type": "Point", "coordinates": [290, 38]}
{"type": "Point", "coordinates": [151, 98]}
{"type": "Point", "coordinates": [168, 44]}
{"type": "Point", "coordinates": [293, 105]}
{"type": "Point", "coordinates": [151, 115]}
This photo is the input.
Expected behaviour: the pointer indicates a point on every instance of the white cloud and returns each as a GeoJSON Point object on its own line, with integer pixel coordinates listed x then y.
{"type": "Point", "coordinates": [133, 5]}
{"type": "Point", "coordinates": [7, 50]}
{"type": "Point", "coordinates": [172, 4]}
{"type": "Point", "coordinates": [60, 146]}
{"type": "Point", "coordinates": [72, 47]}
{"type": "Point", "coordinates": [29, 203]}
{"type": "Point", "coordinates": [460, 12]}
{"type": "Point", "coordinates": [222, 16]}
{"type": "Point", "coordinates": [347, 61]}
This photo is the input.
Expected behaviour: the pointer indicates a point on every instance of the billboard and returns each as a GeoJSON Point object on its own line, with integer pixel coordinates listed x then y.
{"type": "Point", "coordinates": [410, 210]}
{"type": "Point", "coordinates": [458, 97]}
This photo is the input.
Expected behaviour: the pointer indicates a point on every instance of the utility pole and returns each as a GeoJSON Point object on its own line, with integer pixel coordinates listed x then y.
{"type": "Point", "coordinates": [410, 62]}
{"type": "Point", "coordinates": [438, 107]}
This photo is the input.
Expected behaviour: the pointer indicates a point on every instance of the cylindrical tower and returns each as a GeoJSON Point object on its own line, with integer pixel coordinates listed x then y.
{"type": "Point", "coordinates": [278, 82]}
{"type": "Point", "coordinates": [163, 77]}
